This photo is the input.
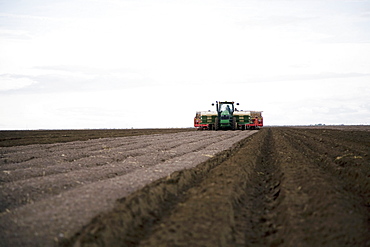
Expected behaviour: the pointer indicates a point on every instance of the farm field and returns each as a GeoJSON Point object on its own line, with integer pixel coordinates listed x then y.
{"type": "Point", "coordinates": [280, 186]}
{"type": "Point", "coordinates": [10, 138]}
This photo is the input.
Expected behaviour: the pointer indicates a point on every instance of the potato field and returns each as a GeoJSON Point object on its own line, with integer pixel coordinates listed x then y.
{"type": "Point", "coordinates": [278, 186]}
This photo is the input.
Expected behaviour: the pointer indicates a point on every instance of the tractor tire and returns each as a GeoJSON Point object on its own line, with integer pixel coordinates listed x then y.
{"type": "Point", "coordinates": [234, 124]}
{"type": "Point", "coordinates": [216, 124]}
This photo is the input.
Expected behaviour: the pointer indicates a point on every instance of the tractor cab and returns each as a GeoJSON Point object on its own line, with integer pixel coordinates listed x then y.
{"type": "Point", "coordinates": [225, 115]}
{"type": "Point", "coordinates": [226, 108]}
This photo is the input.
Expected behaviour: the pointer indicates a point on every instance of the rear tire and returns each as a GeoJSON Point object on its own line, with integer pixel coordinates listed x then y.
{"type": "Point", "coordinates": [234, 124]}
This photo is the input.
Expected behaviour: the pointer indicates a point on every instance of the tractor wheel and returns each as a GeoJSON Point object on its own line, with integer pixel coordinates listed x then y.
{"type": "Point", "coordinates": [216, 124]}
{"type": "Point", "coordinates": [234, 124]}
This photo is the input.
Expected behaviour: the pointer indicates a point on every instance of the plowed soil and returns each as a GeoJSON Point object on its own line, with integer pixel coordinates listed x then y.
{"type": "Point", "coordinates": [9, 138]}
{"type": "Point", "coordinates": [277, 187]}
{"type": "Point", "coordinates": [50, 191]}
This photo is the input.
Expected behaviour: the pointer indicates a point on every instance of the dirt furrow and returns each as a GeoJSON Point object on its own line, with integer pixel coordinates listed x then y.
{"type": "Point", "coordinates": [19, 138]}
{"type": "Point", "coordinates": [314, 202]}
{"type": "Point", "coordinates": [71, 159]}
{"type": "Point", "coordinates": [48, 218]}
{"type": "Point", "coordinates": [48, 183]}
{"type": "Point", "coordinates": [34, 155]}
{"type": "Point", "coordinates": [280, 187]}
{"type": "Point", "coordinates": [347, 161]}
{"type": "Point", "coordinates": [189, 208]}
{"type": "Point", "coordinates": [274, 190]}
{"type": "Point", "coordinates": [257, 209]}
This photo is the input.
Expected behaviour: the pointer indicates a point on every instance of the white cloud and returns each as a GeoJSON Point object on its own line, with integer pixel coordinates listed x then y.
{"type": "Point", "coordinates": [101, 63]}
{"type": "Point", "coordinates": [13, 83]}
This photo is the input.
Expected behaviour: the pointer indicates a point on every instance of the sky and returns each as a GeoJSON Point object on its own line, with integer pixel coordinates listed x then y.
{"type": "Point", "coordinates": [77, 64]}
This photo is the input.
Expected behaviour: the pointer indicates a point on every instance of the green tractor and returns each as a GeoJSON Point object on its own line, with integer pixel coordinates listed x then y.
{"type": "Point", "coordinates": [225, 116]}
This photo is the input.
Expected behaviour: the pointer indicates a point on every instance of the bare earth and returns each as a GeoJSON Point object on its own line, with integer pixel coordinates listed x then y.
{"type": "Point", "coordinates": [50, 191]}
{"type": "Point", "coordinates": [280, 186]}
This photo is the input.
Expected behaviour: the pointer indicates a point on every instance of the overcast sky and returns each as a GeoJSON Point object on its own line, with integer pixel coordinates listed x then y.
{"type": "Point", "coordinates": [67, 64]}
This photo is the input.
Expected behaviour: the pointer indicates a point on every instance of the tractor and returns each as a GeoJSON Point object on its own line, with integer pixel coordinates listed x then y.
{"type": "Point", "coordinates": [225, 116]}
